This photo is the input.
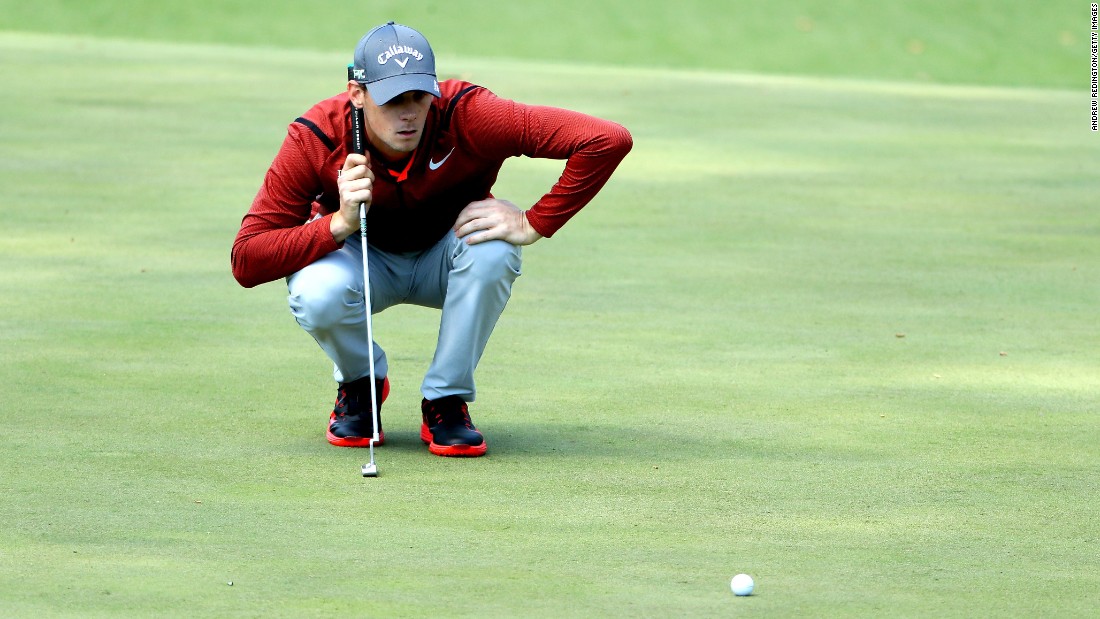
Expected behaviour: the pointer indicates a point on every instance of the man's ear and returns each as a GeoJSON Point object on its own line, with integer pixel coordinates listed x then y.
{"type": "Point", "coordinates": [357, 93]}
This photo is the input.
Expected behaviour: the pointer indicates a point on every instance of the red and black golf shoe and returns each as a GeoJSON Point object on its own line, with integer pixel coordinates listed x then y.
{"type": "Point", "coordinates": [448, 430]}
{"type": "Point", "coordinates": [350, 424]}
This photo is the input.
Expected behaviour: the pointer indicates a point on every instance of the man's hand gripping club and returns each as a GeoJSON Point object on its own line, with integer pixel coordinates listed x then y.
{"type": "Point", "coordinates": [356, 183]}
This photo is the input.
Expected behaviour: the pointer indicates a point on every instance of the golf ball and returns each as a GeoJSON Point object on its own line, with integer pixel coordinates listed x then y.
{"type": "Point", "coordinates": [742, 584]}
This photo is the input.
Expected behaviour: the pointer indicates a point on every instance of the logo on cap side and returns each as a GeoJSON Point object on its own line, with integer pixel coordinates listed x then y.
{"type": "Point", "coordinates": [394, 50]}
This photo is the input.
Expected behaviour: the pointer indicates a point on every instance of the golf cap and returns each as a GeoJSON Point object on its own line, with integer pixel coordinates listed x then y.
{"type": "Point", "coordinates": [393, 59]}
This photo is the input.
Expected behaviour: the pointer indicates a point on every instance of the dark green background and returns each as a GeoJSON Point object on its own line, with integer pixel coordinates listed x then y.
{"type": "Point", "coordinates": [968, 41]}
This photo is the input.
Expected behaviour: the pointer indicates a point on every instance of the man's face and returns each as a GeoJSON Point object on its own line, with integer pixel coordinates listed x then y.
{"type": "Point", "coordinates": [395, 128]}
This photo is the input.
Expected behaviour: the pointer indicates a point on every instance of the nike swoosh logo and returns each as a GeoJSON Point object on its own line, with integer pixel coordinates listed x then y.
{"type": "Point", "coordinates": [434, 165]}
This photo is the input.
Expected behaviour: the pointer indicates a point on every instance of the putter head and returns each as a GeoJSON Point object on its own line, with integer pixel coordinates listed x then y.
{"type": "Point", "coordinates": [371, 469]}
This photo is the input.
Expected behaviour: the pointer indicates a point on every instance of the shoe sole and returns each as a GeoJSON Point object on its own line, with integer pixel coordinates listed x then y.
{"type": "Point", "coordinates": [452, 451]}
{"type": "Point", "coordinates": [354, 441]}
{"type": "Point", "coordinates": [358, 441]}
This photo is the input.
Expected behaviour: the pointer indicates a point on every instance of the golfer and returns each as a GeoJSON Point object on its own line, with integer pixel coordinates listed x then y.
{"type": "Point", "coordinates": [437, 236]}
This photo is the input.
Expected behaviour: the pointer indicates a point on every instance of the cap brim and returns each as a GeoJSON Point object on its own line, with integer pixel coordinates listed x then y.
{"type": "Point", "coordinates": [384, 90]}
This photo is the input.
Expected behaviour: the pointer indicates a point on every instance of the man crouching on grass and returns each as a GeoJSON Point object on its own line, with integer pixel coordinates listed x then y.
{"type": "Point", "coordinates": [438, 237]}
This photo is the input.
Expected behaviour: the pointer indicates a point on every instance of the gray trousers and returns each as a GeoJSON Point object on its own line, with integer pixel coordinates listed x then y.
{"type": "Point", "coordinates": [470, 283]}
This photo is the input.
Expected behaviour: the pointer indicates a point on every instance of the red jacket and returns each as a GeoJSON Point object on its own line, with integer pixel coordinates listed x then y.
{"type": "Point", "coordinates": [467, 136]}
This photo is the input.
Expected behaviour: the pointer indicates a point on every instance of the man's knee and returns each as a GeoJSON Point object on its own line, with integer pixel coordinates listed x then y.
{"type": "Point", "coordinates": [491, 261]}
{"type": "Point", "coordinates": [321, 298]}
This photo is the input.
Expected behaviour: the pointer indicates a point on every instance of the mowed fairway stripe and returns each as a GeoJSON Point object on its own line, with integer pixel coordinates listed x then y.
{"type": "Point", "coordinates": [836, 334]}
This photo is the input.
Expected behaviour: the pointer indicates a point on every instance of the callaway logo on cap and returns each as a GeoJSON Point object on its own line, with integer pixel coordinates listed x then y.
{"type": "Point", "coordinates": [391, 60]}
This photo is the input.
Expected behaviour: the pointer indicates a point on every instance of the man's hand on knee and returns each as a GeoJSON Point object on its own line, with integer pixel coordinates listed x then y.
{"type": "Point", "coordinates": [492, 219]}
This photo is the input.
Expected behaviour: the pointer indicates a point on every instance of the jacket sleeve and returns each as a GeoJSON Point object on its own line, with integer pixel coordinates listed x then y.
{"type": "Point", "coordinates": [277, 236]}
{"type": "Point", "coordinates": [591, 147]}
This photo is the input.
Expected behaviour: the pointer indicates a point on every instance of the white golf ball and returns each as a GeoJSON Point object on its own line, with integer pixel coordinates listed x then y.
{"type": "Point", "coordinates": [742, 584]}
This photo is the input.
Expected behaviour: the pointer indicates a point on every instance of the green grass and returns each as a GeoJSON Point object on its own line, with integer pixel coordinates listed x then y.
{"type": "Point", "coordinates": [955, 41]}
{"type": "Point", "coordinates": [838, 334]}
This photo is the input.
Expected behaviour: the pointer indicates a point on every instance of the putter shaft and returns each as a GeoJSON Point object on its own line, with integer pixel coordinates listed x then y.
{"type": "Point", "coordinates": [369, 470]}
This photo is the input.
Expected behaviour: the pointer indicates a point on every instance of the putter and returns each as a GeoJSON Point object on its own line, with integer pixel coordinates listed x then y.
{"type": "Point", "coordinates": [370, 469]}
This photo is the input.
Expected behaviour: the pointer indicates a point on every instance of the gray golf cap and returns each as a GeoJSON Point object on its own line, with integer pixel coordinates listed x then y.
{"type": "Point", "coordinates": [391, 60]}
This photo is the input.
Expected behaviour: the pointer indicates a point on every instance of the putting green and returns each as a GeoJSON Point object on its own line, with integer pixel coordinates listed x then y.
{"type": "Point", "coordinates": [836, 334]}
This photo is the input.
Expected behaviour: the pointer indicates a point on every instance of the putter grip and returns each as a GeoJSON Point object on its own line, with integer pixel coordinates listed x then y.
{"type": "Point", "coordinates": [357, 130]}
{"type": "Point", "coordinates": [356, 120]}
{"type": "Point", "coordinates": [360, 148]}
